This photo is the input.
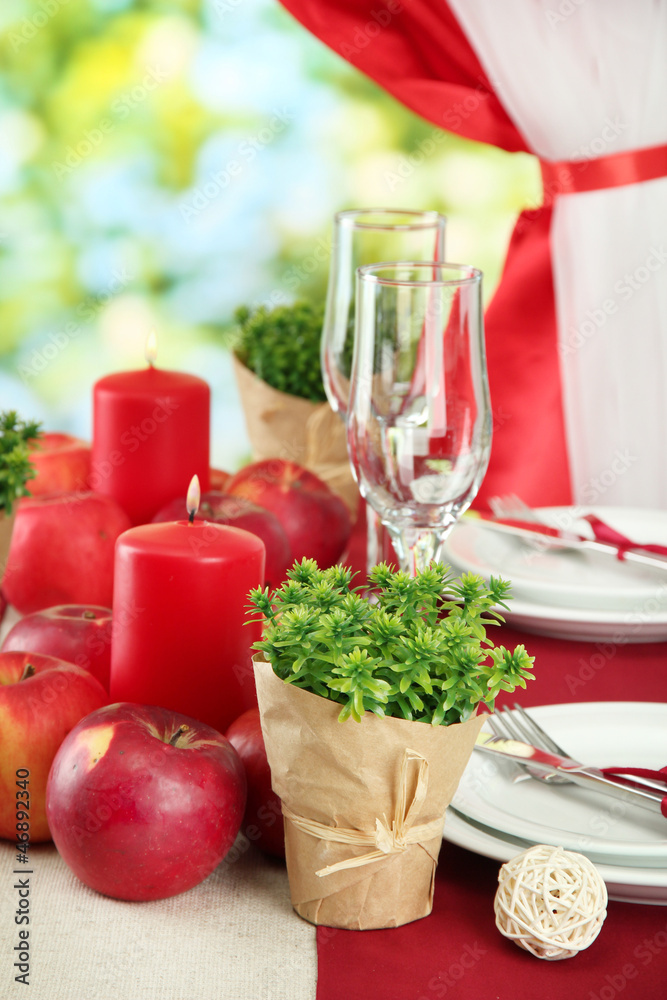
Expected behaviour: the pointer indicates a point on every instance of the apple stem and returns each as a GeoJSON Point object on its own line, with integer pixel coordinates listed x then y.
{"type": "Point", "coordinates": [174, 740]}
{"type": "Point", "coordinates": [28, 671]}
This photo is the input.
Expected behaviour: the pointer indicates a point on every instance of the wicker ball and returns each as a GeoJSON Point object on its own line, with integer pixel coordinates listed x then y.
{"type": "Point", "coordinates": [550, 902]}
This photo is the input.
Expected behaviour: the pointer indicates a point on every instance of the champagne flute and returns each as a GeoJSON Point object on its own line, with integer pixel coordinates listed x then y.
{"type": "Point", "coordinates": [365, 236]}
{"type": "Point", "coordinates": [419, 416]}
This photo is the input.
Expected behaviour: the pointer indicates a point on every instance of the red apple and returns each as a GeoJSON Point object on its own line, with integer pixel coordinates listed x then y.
{"type": "Point", "coordinates": [218, 479]}
{"type": "Point", "coordinates": [41, 699]}
{"type": "Point", "coordinates": [143, 803]}
{"type": "Point", "coordinates": [224, 509]}
{"type": "Point", "coordinates": [316, 521]}
{"type": "Point", "coordinates": [77, 633]}
{"type": "Point", "coordinates": [263, 820]}
{"type": "Point", "coordinates": [62, 551]}
{"type": "Point", "coordinates": [62, 463]}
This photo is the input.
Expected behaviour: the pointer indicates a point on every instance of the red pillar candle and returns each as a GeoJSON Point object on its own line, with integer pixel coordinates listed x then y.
{"type": "Point", "coordinates": [151, 431]}
{"type": "Point", "coordinates": [181, 636]}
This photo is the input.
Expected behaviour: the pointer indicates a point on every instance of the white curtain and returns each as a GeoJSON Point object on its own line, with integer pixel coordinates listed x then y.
{"type": "Point", "coordinates": [581, 79]}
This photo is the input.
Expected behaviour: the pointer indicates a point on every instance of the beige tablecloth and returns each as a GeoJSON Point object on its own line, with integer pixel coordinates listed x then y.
{"type": "Point", "coordinates": [234, 937]}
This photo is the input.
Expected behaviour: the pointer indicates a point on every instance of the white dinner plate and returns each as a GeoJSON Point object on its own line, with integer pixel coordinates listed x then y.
{"type": "Point", "coordinates": [627, 884]}
{"type": "Point", "coordinates": [605, 829]}
{"type": "Point", "coordinates": [583, 581]}
{"type": "Point", "coordinates": [647, 624]}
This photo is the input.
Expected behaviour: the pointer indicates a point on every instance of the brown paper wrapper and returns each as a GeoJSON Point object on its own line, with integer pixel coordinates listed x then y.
{"type": "Point", "coordinates": [310, 434]}
{"type": "Point", "coordinates": [347, 775]}
{"type": "Point", "coordinates": [6, 528]}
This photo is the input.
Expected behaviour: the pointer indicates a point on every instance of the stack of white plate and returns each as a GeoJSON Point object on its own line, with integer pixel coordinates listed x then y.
{"type": "Point", "coordinates": [569, 593]}
{"type": "Point", "coordinates": [498, 811]}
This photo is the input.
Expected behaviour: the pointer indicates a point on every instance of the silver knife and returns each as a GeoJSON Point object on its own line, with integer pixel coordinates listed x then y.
{"type": "Point", "coordinates": [556, 538]}
{"type": "Point", "coordinates": [580, 774]}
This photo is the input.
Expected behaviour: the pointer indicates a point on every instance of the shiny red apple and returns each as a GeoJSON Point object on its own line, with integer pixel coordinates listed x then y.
{"type": "Point", "coordinates": [62, 551]}
{"type": "Point", "coordinates": [263, 820]}
{"type": "Point", "coordinates": [77, 633]}
{"type": "Point", "coordinates": [221, 508]}
{"type": "Point", "coordinates": [143, 803]}
{"type": "Point", "coordinates": [62, 463]}
{"type": "Point", "coordinates": [316, 521]}
{"type": "Point", "coordinates": [218, 479]}
{"type": "Point", "coordinates": [41, 699]}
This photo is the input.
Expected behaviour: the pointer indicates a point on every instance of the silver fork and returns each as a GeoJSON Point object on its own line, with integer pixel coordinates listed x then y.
{"type": "Point", "coordinates": [529, 731]}
{"type": "Point", "coordinates": [511, 505]}
{"type": "Point", "coordinates": [519, 725]}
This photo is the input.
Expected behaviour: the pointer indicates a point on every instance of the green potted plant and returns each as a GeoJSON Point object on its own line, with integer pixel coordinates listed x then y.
{"type": "Point", "coordinates": [369, 711]}
{"type": "Point", "coordinates": [15, 472]}
{"type": "Point", "coordinates": [277, 367]}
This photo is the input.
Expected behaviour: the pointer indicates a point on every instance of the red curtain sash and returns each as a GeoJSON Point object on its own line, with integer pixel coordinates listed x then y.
{"type": "Point", "coordinates": [615, 170]}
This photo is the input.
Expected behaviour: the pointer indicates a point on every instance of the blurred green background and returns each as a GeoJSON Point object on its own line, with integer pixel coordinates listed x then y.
{"type": "Point", "coordinates": [119, 212]}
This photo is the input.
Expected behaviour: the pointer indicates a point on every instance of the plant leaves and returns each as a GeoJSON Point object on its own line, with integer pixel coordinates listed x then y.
{"type": "Point", "coordinates": [408, 650]}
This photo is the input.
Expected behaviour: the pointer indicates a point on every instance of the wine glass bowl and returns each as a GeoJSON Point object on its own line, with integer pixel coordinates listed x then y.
{"type": "Point", "coordinates": [419, 417]}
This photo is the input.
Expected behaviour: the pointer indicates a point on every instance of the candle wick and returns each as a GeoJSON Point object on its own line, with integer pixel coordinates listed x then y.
{"type": "Point", "coordinates": [191, 517]}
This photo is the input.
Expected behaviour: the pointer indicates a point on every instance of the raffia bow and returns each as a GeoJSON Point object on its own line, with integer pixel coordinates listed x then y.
{"type": "Point", "coordinates": [386, 839]}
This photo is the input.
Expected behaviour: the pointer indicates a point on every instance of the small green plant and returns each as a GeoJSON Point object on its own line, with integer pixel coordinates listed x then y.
{"type": "Point", "coordinates": [282, 347]}
{"type": "Point", "coordinates": [416, 649]}
{"type": "Point", "coordinates": [15, 466]}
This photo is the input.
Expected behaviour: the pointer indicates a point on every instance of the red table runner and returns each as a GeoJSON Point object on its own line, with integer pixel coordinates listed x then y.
{"type": "Point", "coordinates": [457, 951]}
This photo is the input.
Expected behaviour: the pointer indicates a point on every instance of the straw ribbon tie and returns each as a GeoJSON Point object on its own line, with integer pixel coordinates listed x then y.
{"type": "Point", "coordinates": [386, 839]}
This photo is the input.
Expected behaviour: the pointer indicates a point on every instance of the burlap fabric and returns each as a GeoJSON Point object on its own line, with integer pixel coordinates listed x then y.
{"type": "Point", "coordinates": [6, 527]}
{"type": "Point", "coordinates": [234, 937]}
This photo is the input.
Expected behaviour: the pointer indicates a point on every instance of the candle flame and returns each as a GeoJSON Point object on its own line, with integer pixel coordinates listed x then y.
{"type": "Point", "coordinates": [193, 497]}
{"type": "Point", "coordinates": [150, 351]}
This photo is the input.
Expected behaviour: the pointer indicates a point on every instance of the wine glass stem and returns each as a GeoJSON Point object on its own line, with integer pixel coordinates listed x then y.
{"type": "Point", "coordinates": [417, 547]}
{"type": "Point", "coordinates": [374, 539]}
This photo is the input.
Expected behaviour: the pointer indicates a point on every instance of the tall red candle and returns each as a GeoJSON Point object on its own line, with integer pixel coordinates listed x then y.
{"type": "Point", "coordinates": [180, 638]}
{"type": "Point", "coordinates": [151, 432]}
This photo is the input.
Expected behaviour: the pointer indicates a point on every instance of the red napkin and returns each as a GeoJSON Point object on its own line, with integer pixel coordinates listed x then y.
{"type": "Point", "coordinates": [605, 533]}
{"type": "Point", "coordinates": [640, 772]}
